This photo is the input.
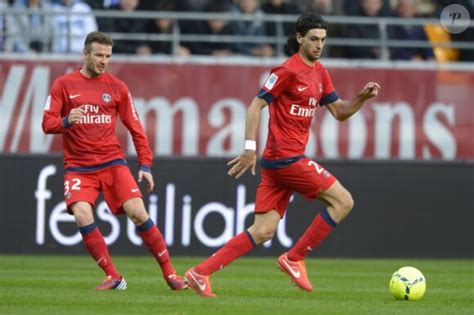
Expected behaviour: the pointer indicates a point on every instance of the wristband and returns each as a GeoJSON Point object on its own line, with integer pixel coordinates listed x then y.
{"type": "Point", "coordinates": [145, 168]}
{"type": "Point", "coordinates": [251, 145]}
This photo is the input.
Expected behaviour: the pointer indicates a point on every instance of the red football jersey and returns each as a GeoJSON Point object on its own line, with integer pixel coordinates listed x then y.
{"type": "Point", "coordinates": [93, 140]}
{"type": "Point", "coordinates": [294, 90]}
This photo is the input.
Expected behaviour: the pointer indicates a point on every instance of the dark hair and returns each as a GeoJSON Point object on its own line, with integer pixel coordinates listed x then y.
{"type": "Point", "coordinates": [97, 37]}
{"type": "Point", "coordinates": [305, 22]}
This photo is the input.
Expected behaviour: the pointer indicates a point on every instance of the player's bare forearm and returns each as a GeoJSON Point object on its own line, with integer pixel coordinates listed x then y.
{"type": "Point", "coordinates": [248, 158]}
{"type": "Point", "coordinates": [253, 118]}
{"type": "Point", "coordinates": [342, 110]}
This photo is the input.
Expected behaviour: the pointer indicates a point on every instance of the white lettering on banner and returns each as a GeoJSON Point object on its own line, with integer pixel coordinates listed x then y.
{"type": "Point", "coordinates": [216, 129]}
{"type": "Point", "coordinates": [233, 130]}
{"type": "Point", "coordinates": [186, 227]}
{"type": "Point", "coordinates": [41, 195]}
{"type": "Point", "coordinates": [385, 115]}
{"type": "Point", "coordinates": [165, 113]}
{"type": "Point", "coordinates": [36, 93]}
{"type": "Point", "coordinates": [226, 213]}
{"type": "Point", "coordinates": [9, 99]}
{"type": "Point", "coordinates": [60, 215]}
{"type": "Point", "coordinates": [330, 136]}
{"type": "Point", "coordinates": [234, 218]}
{"type": "Point", "coordinates": [169, 211]}
{"type": "Point", "coordinates": [437, 132]}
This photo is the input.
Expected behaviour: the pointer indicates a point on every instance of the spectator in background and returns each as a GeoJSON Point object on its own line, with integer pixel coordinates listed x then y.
{"type": "Point", "coordinates": [71, 26]}
{"type": "Point", "coordinates": [407, 9]}
{"type": "Point", "coordinates": [101, 4]}
{"type": "Point", "coordinates": [279, 7]}
{"type": "Point", "coordinates": [29, 32]}
{"type": "Point", "coordinates": [368, 8]}
{"type": "Point", "coordinates": [465, 36]}
{"type": "Point", "coordinates": [3, 6]}
{"type": "Point", "coordinates": [95, 4]}
{"type": "Point", "coordinates": [276, 28]}
{"type": "Point", "coordinates": [212, 28]}
{"type": "Point", "coordinates": [190, 26]}
{"type": "Point", "coordinates": [125, 25]}
{"type": "Point", "coordinates": [252, 27]}
{"type": "Point", "coordinates": [194, 5]}
{"type": "Point", "coordinates": [327, 7]}
{"type": "Point", "coordinates": [354, 7]}
{"type": "Point", "coordinates": [161, 26]}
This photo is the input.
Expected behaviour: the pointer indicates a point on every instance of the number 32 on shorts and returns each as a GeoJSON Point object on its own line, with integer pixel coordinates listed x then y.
{"type": "Point", "coordinates": [76, 185]}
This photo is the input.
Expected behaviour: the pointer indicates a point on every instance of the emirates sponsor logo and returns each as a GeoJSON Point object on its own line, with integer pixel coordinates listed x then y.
{"type": "Point", "coordinates": [93, 115]}
{"type": "Point", "coordinates": [300, 111]}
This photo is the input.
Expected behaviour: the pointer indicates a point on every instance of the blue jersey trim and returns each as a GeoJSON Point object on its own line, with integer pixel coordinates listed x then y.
{"type": "Point", "coordinates": [274, 164]}
{"type": "Point", "coordinates": [84, 169]}
{"type": "Point", "coordinates": [330, 98]}
{"type": "Point", "coordinates": [267, 96]}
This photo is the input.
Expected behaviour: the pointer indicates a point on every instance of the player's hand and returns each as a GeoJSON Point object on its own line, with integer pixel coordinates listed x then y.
{"type": "Point", "coordinates": [75, 115]}
{"type": "Point", "coordinates": [246, 160]}
{"type": "Point", "coordinates": [370, 90]}
{"type": "Point", "coordinates": [149, 180]}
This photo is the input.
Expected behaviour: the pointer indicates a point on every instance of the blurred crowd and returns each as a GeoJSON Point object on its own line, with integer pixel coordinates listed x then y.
{"type": "Point", "coordinates": [74, 19]}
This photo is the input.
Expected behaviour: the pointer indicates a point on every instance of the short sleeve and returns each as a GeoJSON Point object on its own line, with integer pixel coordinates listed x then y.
{"type": "Point", "coordinates": [329, 92]}
{"type": "Point", "coordinates": [275, 84]}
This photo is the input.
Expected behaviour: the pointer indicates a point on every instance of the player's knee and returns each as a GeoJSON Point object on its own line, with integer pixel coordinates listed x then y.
{"type": "Point", "coordinates": [138, 217]}
{"type": "Point", "coordinates": [82, 213]}
{"type": "Point", "coordinates": [135, 210]}
{"type": "Point", "coordinates": [264, 234]}
{"type": "Point", "coordinates": [343, 206]}
{"type": "Point", "coordinates": [346, 203]}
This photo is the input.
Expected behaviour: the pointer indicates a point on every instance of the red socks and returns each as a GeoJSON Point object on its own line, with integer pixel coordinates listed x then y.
{"type": "Point", "coordinates": [156, 245]}
{"type": "Point", "coordinates": [233, 249]}
{"type": "Point", "coordinates": [319, 229]}
{"type": "Point", "coordinates": [95, 244]}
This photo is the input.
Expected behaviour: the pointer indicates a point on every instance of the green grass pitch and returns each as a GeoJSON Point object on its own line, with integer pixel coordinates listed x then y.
{"type": "Point", "coordinates": [64, 285]}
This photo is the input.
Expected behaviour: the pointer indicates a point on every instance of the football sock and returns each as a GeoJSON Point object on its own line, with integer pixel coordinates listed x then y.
{"type": "Point", "coordinates": [156, 245]}
{"type": "Point", "coordinates": [321, 226]}
{"type": "Point", "coordinates": [95, 244]}
{"type": "Point", "coordinates": [233, 249]}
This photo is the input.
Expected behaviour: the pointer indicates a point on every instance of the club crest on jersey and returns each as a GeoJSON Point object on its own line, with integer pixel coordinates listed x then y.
{"type": "Point", "coordinates": [272, 79]}
{"type": "Point", "coordinates": [106, 97]}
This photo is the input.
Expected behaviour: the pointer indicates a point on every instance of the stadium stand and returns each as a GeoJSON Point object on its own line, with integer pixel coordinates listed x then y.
{"type": "Point", "coordinates": [361, 29]}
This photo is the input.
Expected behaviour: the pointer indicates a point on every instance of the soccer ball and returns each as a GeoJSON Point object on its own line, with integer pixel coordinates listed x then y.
{"type": "Point", "coordinates": [408, 283]}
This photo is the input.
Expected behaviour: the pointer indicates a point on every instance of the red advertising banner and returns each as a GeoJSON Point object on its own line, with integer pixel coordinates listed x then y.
{"type": "Point", "coordinates": [198, 109]}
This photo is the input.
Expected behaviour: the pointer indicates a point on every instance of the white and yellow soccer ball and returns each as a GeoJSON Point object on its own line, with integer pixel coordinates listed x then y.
{"type": "Point", "coordinates": [408, 283]}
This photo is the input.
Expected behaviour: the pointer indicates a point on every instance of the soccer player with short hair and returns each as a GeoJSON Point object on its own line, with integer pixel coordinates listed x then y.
{"type": "Point", "coordinates": [83, 106]}
{"type": "Point", "coordinates": [293, 92]}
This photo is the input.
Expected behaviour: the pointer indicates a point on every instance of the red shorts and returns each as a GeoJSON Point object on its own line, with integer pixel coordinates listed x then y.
{"type": "Point", "coordinates": [116, 183]}
{"type": "Point", "coordinates": [277, 185]}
